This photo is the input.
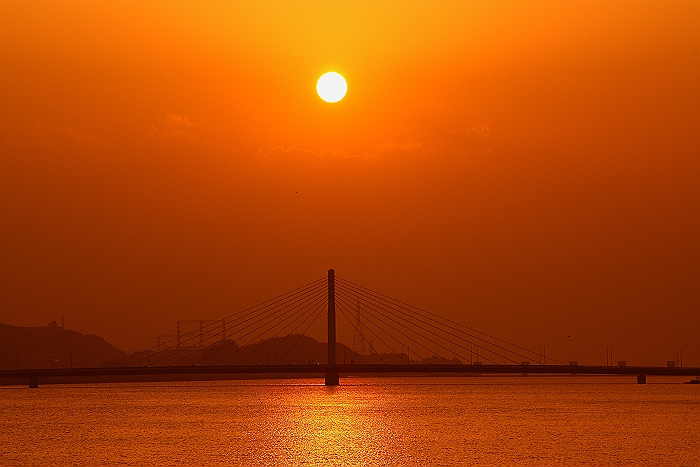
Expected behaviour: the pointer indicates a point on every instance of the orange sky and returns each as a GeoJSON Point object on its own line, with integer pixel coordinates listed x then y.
{"type": "Point", "coordinates": [529, 168]}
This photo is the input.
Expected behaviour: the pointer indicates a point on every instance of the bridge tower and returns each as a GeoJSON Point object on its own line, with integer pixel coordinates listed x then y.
{"type": "Point", "coordinates": [332, 378]}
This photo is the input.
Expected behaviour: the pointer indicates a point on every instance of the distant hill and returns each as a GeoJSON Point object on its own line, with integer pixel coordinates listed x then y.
{"type": "Point", "coordinates": [301, 350]}
{"type": "Point", "coordinates": [293, 349]}
{"type": "Point", "coordinates": [53, 347]}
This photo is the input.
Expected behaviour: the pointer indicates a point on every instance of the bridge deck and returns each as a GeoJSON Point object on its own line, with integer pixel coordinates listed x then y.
{"type": "Point", "coordinates": [350, 370]}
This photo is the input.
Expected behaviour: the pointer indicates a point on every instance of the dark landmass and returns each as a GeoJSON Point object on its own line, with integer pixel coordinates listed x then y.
{"type": "Point", "coordinates": [53, 347]}
{"type": "Point", "coordinates": [294, 349]}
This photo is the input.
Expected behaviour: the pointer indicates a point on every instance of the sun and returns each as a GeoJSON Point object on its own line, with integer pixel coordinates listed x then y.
{"type": "Point", "coordinates": [331, 87]}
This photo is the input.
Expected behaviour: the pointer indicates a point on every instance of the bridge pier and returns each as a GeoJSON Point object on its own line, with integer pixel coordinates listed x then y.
{"type": "Point", "coordinates": [641, 379]}
{"type": "Point", "coordinates": [33, 381]}
{"type": "Point", "coordinates": [332, 378]}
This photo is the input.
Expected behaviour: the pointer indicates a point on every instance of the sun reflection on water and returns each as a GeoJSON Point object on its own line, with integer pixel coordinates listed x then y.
{"type": "Point", "coordinates": [335, 426]}
{"type": "Point", "coordinates": [407, 421]}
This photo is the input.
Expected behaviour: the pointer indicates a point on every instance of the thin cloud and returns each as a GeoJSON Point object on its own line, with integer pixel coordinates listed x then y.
{"type": "Point", "coordinates": [284, 154]}
{"type": "Point", "coordinates": [281, 156]}
{"type": "Point", "coordinates": [172, 134]}
{"type": "Point", "coordinates": [291, 151]}
{"type": "Point", "coordinates": [483, 130]}
{"type": "Point", "coordinates": [175, 127]}
{"type": "Point", "coordinates": [73, 136]}
{"type": "Point", "coordinates": [408, 148]}
{"type": "Point", "coordinates": [178, 120]}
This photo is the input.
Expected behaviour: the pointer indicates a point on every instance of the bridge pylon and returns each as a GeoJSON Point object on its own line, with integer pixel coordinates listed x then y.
{"type": "Point", "coordinates": [332, 378]}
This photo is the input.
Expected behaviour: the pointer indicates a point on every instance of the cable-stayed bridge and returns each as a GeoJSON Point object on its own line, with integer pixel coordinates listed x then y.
{"type": "Point", "coordinates": [399, 338]}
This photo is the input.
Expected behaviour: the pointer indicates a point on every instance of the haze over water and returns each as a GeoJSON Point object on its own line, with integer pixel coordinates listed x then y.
{"type": "Point", "coordinates": [524, 171]}
{"type": "Point", "coordinates": [529, 169]}
{"type": "Point", "coordinates": [401, 421]}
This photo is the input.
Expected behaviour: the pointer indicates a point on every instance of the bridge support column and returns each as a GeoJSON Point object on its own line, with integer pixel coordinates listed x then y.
{"type": "Point", "coordinates": [33, 381]}
{"type": "Point", "coordinates": [332, 378]}
{"type": "Point", "coordinates": [641, 379]}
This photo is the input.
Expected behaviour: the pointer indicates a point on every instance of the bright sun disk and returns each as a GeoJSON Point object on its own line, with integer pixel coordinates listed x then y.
{"type": "Point", "coordinates": [331, 86]}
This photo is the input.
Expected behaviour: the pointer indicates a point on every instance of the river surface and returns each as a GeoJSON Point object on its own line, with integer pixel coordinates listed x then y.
{"type": "Point", "coordinates": [514, 421]}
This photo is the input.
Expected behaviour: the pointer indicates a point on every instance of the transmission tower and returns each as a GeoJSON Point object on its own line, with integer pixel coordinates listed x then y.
{"type": "Point", "coordinates": [358, 339]}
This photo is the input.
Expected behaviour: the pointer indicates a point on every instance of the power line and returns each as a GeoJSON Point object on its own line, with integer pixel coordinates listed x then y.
{"type": "Point", "coordinates": [417, 342]}
{"type": "Point", "coordinates": [411, 319]}
{"type": "Point", "coordinates": [415, 310]}
{"type": "Point", "coordinates": [263, 308]}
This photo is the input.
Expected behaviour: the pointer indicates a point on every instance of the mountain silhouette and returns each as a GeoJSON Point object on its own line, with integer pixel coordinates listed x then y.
{"type": "Point", "coordinates": [53, 346]}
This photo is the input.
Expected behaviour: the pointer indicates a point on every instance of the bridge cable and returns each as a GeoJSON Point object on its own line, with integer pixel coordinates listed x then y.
{"type": "Point", "coordinates": [406, 319]}
{"type": "Point", "coordinates": [278, 301]}
{"type": "Point", "coordinates": [412, 309]}
{"type": "Point", "coordinates": [358, 331]}
{"type": "Point", "coordinates": [370, 307]}
{"type": "Point", "coordinates": [387, 298]}
{"type": "Point", "coordinates": [441, 329]}
{"type": "Point", "coordinates": [404, 334]}
{"type": "Point", "coordinates": [302, 334]}
{"type": "Point", "coordinates": [195, 334]}
{"type": "Point", "coordinates": [273, 302]}
{"type": "Point", "coordinates": [308, 309]}
{"type": "Point", "coordinates": [343, 301]}
{"type": "Point", "coordinates": [315, 311]}
{"type": "Point", "coordinates": [293, 308]}
{"type": "Point", "coordinates": [292, 312]}
{"type": "Point", "coordinates": [306, 305]}
{"type": "Point", "coordinates": [340, 307]}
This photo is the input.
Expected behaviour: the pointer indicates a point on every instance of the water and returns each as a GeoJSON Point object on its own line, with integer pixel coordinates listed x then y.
{"type": "Point", "coordinates": [401, 421]}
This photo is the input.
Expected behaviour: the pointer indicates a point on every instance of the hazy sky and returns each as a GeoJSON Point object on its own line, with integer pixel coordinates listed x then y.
{"type": "Point", "coordinates": [528, 168]}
